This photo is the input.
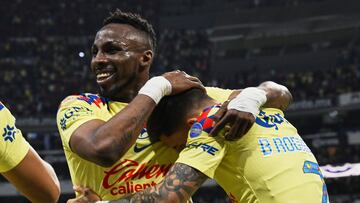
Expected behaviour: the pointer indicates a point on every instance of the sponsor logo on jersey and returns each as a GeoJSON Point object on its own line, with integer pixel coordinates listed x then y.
{"type": "Point", "coordinates": [72, 113]}
{"type": "Point", "coordinates": [120, 178]}
{"type": "Point", "coordinates": [205, 147]}
{"type": "Point", "coordinates": [138, 149]}
{"type": "Point", "coordinates": [270, 121]}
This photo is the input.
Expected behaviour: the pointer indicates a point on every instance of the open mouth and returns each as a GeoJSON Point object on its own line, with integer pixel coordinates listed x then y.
{"type": "Point", "coordinates": [103, 77]}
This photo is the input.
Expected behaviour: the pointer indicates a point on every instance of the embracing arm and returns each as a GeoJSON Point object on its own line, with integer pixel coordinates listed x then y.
{"type": "Point", "coordinates": [241, 116]}
{"type": "Point", "coordinates": [180, 183]}
{"type": "Point", "coordinates": [35, 178]}
{"type": "Point", "coordinates": [278, 96]}
{"type": "Point", "coordinates": [104, 143]}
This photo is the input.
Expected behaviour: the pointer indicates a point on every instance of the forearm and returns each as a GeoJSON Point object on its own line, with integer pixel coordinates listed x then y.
{"type": "Point", "coordinates": [278, 96]}
{"type": "Point", "coordinates": [116, 136]}
{"type": "Point", "coordinates": [34, 180]}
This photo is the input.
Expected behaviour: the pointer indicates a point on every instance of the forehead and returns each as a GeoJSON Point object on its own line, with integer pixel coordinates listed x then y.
{"type": "Point", "coordinates": [120, 33]}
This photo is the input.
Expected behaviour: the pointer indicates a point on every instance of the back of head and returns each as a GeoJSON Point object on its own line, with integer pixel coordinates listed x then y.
{"type": "Point", "coordinates": [136, 21]}
{"type": "Point", "coordinates": [171, 112]}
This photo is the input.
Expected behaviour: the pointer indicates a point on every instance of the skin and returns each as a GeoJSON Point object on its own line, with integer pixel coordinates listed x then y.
{"type": "Point", "coordinates": [182, 181]}
{"type": "Point", "coordinates": [120, 50]}
{"type": "Point", "coordinates": [35, 179]}
{"type": "Point", "coordinates": [278, 96]}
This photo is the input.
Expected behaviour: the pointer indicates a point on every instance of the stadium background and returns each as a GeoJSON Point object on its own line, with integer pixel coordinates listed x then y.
{"type": "Point", "coordinates": [311, 46]}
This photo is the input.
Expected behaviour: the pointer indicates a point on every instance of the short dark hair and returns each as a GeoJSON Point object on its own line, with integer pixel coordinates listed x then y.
{"type": "Point", "coordinates": [170, 113]}
{"type": "Point", "coordinates": [134, 20]}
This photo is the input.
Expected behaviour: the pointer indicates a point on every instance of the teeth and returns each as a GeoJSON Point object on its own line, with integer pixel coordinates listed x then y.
{"type": "Point", "coordinates": [102, 75]}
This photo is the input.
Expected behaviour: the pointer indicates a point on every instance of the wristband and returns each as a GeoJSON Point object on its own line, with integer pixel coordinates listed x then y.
{"type": "Point", "coordinates": [156, 88]}
{"type": "Point", "coordinates": [249, 100]}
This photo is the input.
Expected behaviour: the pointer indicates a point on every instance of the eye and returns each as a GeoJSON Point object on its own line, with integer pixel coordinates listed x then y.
{"type": "Point", "coordinates": [94, 51]}
{"type": "Point", "coordinates": [112, 49]}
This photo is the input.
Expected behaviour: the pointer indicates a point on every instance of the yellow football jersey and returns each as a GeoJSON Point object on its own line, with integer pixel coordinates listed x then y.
{"type": "Point", "coordinates": [271, 163]}
{"type": "Point", "coordinates": [13, 146]}
{"type": "Point", "coordinates": [143, 165]}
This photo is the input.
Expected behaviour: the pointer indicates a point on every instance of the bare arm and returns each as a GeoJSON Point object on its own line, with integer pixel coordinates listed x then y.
{"type": "Point", "coordinates": [180, 183]}
{"type": "Point", "coordinates": [277, 96]}
{"type": "Point", "coordinates": [105, 142]}
{"type": "Point", "coordinates": [35, 178]}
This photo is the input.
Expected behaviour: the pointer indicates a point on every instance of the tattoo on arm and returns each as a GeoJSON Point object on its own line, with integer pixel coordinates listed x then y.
{"type": "Point", "coordinates": [179, 184]}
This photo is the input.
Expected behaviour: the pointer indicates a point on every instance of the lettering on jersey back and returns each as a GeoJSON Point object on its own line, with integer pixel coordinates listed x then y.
{"type": "Point", "coordinates": [279, 145]}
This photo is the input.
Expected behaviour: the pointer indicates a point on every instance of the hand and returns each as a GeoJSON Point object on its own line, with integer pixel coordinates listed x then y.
{"type": "Point", "coordinates": [86, 195]}
{"type": "Point", "coordinates": [180, 81]}
{"type": "Point", "coordinates": [240, 122]}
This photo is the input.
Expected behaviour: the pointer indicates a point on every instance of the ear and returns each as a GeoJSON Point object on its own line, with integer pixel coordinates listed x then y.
{"type": "Point", "coordinates": [191, 121]}
{"type": "Point", "coordinates": [146, 58]}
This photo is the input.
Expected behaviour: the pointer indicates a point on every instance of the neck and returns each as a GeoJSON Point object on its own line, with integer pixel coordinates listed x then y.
{"type": "Point", "coordinates": [201, 106]}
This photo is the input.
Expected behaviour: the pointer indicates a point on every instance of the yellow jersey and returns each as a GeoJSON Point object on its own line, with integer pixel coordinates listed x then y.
{"type": "Point", "coordinates": [13, 146]}
{"type": "Point", "coordinates": [271, 163]}
{"type": "Point", "coordinates": [143, 165]}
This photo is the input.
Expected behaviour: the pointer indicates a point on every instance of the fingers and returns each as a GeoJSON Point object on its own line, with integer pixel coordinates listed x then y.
{"type": "Point", "coordinates": [219, 126]}
{"type": "Point", "coordinates": [198, 85]}
{"type": "Point", "coordinates": [241, 126]}
{"type": "Point", "coordinates": [221, 112]}
{"type": "Point", "coordinates": [180, 82]}
{"type": "Point", "coordinates": [237, 131]}
{"type": "Point", "coordinates": [217, 117]}
{"type": "Point", "coordinates": [238, 123]}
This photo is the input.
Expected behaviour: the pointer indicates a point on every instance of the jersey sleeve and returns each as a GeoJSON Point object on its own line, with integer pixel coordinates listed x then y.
{"type": "Point", "coordinates": [73, 112]}
{"type": "Point", "coordinates": [218, 94]}
{"type": "Point", "coordinates": [203, 153]}
{"type": "Point", "coordinates": [13, 146]}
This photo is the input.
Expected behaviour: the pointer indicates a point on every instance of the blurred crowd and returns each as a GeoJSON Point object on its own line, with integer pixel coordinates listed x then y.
{"type": "Point", "coordinates": [37, 73]}
{"type": "Point", "coordinates": [49, 58]}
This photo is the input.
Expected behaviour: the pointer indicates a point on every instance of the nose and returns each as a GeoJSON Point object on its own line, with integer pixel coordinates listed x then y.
{"type": "Point", "coordinates": [100, 60]}
{"type": "Point", "coordinates": [100, 57]}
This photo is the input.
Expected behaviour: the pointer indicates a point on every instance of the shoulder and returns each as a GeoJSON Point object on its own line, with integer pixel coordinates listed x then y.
{"type": "Point", "coordinates": [205, 121]}
{"type": "Point", "coordinates": [1, 106]}
{"type": "Point", "coordinates": [218, 94]}
{"type": "Point", "coordinates": [84, 99]}
{"type": "Point", "coordinates": [5, 115]}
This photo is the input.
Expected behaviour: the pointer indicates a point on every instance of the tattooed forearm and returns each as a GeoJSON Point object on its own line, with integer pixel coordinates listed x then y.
{"type": "Point", "coordinates": [179, 184]}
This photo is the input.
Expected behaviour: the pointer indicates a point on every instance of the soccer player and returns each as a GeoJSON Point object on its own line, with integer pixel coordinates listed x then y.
{"type": "Point", "coordinates": [100, 133]}
{"type": "Point", "coordinates": [22, 166]}
{"type": "Point", "coordinates": [271, 163]}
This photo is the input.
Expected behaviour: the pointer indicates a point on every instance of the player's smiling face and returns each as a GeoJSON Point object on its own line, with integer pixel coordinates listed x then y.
{"type": "Point", "coordinates": [118, 61]}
